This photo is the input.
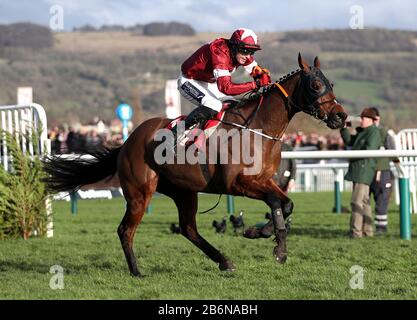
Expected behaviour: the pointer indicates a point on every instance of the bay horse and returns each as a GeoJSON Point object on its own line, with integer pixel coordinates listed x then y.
{"type": "Point", "coordinates": [306, 90]}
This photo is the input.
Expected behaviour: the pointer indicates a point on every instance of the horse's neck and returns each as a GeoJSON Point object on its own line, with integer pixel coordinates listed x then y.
{"type": "Point", "coordinates": [276, 111]}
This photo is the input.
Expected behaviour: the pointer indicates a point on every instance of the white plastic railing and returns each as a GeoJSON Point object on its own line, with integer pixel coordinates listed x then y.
{"type": "Point", "coordinates": [406, 139]}
{"type": "Point", "coordinates": [25, 119]}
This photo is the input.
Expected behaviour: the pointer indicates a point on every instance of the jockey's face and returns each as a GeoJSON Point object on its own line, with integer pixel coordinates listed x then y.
{"type": "Point", "coordinates": [241, 58]}
{"type": "Point", "coordinates": [242, 55]}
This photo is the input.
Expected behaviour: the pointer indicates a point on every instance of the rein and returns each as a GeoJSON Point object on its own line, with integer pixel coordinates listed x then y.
{"type": "Point", "coordinates": [249, 120]}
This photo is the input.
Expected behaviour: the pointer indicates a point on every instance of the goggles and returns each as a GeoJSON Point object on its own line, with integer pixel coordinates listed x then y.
{"type": "Point", "coordinates": [246, 52]}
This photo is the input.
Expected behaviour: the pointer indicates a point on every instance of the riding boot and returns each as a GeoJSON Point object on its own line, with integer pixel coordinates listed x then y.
{"type": "Point", "coordinates": [199, 115]}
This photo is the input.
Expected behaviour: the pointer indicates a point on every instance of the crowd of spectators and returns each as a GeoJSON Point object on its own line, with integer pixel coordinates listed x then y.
{"type": "Point", "coordinates": [73, 141]}
{"type": "Point", "coordinates": [314, 141]}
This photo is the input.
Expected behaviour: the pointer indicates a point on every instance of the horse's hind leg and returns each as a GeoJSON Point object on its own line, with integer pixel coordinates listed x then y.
{"type": "Point", "coordinates": [187, 203]}
{"type": "Point", "coordinates": [127, 229]}
{"type": "Point", "coordinates": [137, 201]}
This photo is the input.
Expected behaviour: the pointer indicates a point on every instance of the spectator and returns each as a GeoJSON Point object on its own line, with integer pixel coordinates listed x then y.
{"type": "Point", "coordinates": [361, 172]}
{"type": "Point", "coordinates": [93, 140]}
{"type": "Point", "coordinates": [72, 140]}
{"type": "Point", "coordinates": [381, 185]}
{"type": "Point", "coordinates": [285, 176]}
{"type": "Point", "coordinates": [55, 143]}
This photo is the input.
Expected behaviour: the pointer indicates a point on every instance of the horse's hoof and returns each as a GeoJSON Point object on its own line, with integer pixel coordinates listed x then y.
{"type": "Point", "coordinates": [281, 257]}
{"type": "Point", "coordinates": [136, 274]}
{"type": "Point", "coordinates": [227, 266]}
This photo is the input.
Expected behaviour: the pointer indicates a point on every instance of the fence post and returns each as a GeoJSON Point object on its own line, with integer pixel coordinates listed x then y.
{"type": "Point", "coordinates": [337, 196]}
{"type": "Point", "coordinates": [230, 204]}
{"type": "Point", "coordinates": [405, 212]}
{"type": "Point", "coordinates": [337, 202]}
{"type": "Point", "coordinates": [74, 200]}
{"type": "Point", "coordinates": [303, 181]}
{"type": "Point", "coordinates": [149, 208]}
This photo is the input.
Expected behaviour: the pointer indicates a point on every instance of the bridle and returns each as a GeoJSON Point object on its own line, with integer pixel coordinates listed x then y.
{"type": "Point", "coordinates": [312, 96]}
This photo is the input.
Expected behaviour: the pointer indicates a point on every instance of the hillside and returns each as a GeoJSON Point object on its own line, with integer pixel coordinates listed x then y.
{"type": "Point", "coordinates": [84, 74]}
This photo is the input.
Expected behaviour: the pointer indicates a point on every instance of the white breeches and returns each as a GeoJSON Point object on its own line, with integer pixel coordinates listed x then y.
{"type": "Point", "coordinates": [200, 92]}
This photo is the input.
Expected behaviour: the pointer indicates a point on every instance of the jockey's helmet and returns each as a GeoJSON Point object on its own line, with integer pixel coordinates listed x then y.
{"type": "Point", "coordinates": [245, 39]}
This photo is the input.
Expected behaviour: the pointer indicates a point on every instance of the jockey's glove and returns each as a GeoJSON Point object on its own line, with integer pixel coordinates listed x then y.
{"type": "Point", "coordinates": [258, 71]}
{"type": "Point", "coordinates": [263, 80]}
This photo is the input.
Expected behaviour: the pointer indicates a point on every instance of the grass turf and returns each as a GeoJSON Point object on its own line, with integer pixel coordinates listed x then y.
{"type": "Point", "coordinates": [321, 256]}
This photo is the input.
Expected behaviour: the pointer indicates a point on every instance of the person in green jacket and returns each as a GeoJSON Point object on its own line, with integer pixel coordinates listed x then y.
{"type": "Point", "coordinates": [361, 172]}
{"type": "Point", "coordinates": [381, 186]}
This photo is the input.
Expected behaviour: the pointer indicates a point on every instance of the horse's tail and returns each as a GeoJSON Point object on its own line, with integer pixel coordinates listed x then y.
{"type": "Point", "coordinates": [70, 174]}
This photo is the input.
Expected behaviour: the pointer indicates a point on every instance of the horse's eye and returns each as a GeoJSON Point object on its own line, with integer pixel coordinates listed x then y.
{"type": "Point", "coordinates": [317, 86]}
{"type": "Point", "coordinates": [332, 84]}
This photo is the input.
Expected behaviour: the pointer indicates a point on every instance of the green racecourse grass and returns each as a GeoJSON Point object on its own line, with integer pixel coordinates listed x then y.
{"type": "Point", "coordinates": [320, 256]}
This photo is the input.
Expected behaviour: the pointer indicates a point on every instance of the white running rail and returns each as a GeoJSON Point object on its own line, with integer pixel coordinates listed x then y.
{"type": "Point", "coordinates": [25, 119]}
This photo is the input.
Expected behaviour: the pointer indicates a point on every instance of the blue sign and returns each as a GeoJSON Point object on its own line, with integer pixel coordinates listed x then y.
{"type": "Point", "coordinates": [124, 112]}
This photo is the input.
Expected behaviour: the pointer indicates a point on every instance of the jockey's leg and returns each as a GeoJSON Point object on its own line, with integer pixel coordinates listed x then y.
{"type": "Point", "coordinates": [199, 115]}
{"type": "Point", "coordinates": [198, 92]}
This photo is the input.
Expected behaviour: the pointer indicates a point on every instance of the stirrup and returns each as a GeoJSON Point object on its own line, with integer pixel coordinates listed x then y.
{"type": "Point", "coordinates": [182, 135]}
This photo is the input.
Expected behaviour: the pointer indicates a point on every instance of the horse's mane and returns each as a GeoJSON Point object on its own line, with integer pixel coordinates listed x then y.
{"type": "Point", "coordinates": [255, 95]}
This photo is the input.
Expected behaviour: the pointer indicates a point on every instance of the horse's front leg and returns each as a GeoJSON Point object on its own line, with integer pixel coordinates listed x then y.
{"type": "Point", "coordinates": [280, 231]}
{"type": "Point", "coordinates": [281, 207]}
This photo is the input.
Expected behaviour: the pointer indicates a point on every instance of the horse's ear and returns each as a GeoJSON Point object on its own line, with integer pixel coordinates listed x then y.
{"type": "Point", "coordinates": [317, 62]}
{"type": "Point", "coordinates": [303, 64]}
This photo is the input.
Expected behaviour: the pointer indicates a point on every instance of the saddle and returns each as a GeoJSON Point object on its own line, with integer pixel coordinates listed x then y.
{"type": "Point", "coordinates": [191, 136]}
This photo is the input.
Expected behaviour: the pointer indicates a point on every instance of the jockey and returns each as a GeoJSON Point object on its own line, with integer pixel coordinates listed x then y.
{"type": "Point", "coordinates": [206, 75]}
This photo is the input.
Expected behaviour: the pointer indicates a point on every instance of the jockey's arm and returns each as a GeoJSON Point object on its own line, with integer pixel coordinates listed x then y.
{"type": "Point", "coordinates": [226, 86]}
{"type": "Point", "coordinates": [220, 62]}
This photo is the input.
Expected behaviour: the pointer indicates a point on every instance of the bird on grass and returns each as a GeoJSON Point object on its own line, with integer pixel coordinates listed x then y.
{"type": "Point", "coordinates": [220, 226]}
{"type": "Point", "coordinates": [174, 228]}
{"type": "Point", "coordinates": [237, 221]}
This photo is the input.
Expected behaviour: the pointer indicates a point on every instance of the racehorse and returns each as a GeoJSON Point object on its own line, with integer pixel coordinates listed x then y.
{"type": "Point", "coordinates": [306, 90]}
